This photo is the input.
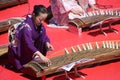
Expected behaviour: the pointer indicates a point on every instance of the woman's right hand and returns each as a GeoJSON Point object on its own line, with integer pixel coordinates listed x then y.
{"type": "Point", "coordinates": [78, 12]}
{"type": "Point", "coordinates": [42, 58]}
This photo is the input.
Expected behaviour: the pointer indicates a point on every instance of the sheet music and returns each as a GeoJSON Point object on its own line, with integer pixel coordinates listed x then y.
{"type": "Point", "coordinates": [68, 67]}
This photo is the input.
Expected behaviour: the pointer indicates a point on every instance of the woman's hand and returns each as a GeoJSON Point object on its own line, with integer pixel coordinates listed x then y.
{"type": "Point", "coordinates": [78, 12]}
{"type": "Point", "coordinates": [94, 7]}
{"type": "Point", "coordinates": [42, 58]}
{"type": "Point", "coordinates": [49, 46]}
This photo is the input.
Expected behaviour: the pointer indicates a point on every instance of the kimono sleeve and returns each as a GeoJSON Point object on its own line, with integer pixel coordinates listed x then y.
{"type": "Point", "coordinates": [64, 6]}
{"type": "Point", "coordinates": [26, 40]}
{"type": "Point", "coordinates": [44, 35]}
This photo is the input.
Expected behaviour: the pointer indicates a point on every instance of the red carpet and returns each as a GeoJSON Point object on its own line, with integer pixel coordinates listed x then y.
{"type": "Point", "coordinates": [61, 38]}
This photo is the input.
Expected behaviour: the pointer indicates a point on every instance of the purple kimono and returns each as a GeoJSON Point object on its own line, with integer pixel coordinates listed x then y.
{"type": "Point", "coordinates": [28, 39]}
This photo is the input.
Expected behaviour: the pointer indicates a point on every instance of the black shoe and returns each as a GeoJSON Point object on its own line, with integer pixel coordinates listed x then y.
{"type": "Point", "coordinates": [8, 66]}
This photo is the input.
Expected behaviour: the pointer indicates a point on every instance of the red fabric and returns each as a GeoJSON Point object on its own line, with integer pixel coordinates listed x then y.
{"type": "Point", "coordinates": [61, 38]}
{"type": "Point", "coordinates": [9, 75]}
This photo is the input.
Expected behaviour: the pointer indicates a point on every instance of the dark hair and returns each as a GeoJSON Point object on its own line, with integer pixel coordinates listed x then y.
{"type": "Point", "coordinates": [39, 9]}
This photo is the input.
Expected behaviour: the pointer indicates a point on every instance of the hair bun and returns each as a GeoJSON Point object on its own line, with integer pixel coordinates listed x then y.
{"type": "Point", "coordinates": [39, 9]}
{"type": "Point", "coordinates": [35, 7]}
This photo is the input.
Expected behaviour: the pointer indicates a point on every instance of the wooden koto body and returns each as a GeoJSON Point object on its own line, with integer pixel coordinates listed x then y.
{"type": "Point", "coordinates": [90, 18]}
{"type": "Point", "coordinates": [103, 51]}
{"type": "Point", "coordinates": [3, 49]}
{"type": "Point", "coordinates": [4, 25]}
{"type": "Point", "coordinates": [94, 18]}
